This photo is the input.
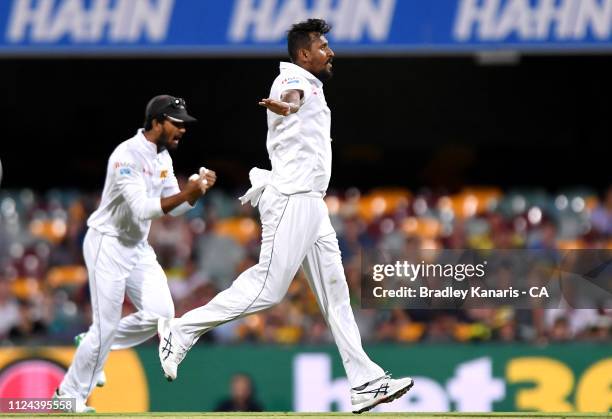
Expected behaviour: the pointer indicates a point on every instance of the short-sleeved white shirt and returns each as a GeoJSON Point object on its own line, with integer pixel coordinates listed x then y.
{"type": "Point", "coordinates": [299, 145]}
{"type": "Point", "coordinates": [137, 176]}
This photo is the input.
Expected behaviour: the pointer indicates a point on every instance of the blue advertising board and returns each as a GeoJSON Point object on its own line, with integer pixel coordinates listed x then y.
{"type": "Point", "coordinates": [255, 27]}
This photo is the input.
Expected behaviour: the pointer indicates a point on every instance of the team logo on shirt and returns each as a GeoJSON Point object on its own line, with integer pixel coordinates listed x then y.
{"type": "Point", "coordinates": [163, 174]}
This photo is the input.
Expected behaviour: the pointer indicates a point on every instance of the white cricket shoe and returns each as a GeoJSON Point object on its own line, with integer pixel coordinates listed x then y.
{"type": "Point", "coordinates": [171, 351]}
{"type": "Point", "coordinates": [79, 407]}
{"type": "Point", "coordinates": [382, 390]}
{"type": "Point", "coordinates": [101, 378]}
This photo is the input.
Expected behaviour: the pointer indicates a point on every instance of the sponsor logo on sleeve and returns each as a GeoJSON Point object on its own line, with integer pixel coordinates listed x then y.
{"type": "Point", "coordinates": [291, 80]}
{"type": "Point", "coordinates": [124, 167]}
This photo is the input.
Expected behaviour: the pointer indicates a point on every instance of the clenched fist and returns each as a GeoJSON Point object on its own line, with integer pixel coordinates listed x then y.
{"type": "Point", "coordinates": [205, 179]}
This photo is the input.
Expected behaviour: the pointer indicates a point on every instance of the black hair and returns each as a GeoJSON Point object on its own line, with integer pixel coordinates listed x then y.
{"type": "Point", "coordinates": [298, 36]}
{"type": "Point", "coordinates": [148, 123]}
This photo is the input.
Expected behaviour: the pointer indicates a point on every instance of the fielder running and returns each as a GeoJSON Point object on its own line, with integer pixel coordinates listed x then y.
{"type": "Point", "coordinates": [140, 185]}
{"type": "Point", "coordinates": [296, 225]}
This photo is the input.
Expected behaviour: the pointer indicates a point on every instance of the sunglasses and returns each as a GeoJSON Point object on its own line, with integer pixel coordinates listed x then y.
{"type": "Point", "coordinates": [178, 103]}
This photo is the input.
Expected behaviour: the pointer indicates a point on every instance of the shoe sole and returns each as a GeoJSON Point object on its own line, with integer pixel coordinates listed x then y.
{"type": "Point", "coordinates": [387, 399]}
{"type": "Point", "coordinates": [160, 333]}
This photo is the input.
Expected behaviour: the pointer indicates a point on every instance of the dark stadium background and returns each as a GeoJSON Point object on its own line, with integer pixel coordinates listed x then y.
{"type": "Point", "coordinates": [411, 121]}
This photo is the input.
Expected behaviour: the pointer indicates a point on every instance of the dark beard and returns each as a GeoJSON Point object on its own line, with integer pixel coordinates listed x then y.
{"type": "Point", "coordinates": [164, 143]}
{"type": "Point", "coordinates": [324, 74]}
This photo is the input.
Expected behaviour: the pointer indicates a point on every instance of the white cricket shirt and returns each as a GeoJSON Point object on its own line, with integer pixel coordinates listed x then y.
{"type": "Point", "coordinates": [137, 176]}
{"type": "Point", "coordinates": [299, 145]}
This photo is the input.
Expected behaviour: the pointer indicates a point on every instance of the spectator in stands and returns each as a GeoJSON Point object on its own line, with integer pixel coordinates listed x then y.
{"type": "Point", "coordinates": [208, 260]}
{"type": "Point", "coordinates": [601, 217]}
{"type": "Point", "coordinates": [353, 238]}
{"type": "Point", "coordinates": [30, 325]}
{"type": "Point", "coordinates": [9, 309]}
{"type": "Point", "coordinates": [560, 331]}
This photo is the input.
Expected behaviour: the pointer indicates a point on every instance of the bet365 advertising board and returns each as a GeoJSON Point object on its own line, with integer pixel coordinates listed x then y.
{"type": "Point", "coordinates": [572, 377]}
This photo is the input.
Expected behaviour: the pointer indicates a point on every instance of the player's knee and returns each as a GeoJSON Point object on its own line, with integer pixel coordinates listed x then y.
{"type": "Point", "coordinates": [94, 341]}
{"type": "Point", "coordinates": [102, 337]}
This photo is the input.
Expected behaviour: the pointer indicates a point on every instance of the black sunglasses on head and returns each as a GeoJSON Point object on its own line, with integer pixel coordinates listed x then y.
{"type": "Point", "coordinates": [178, 103]}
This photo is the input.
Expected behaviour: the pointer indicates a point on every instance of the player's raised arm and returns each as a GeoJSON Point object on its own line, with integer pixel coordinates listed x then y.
{"type": "Point", "coordinates": [290, 102]}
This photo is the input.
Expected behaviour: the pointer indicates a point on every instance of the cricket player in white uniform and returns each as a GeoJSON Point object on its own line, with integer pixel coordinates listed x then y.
{"type": "Point", "coordinates": [140, 185]}
{"type": "Point", "coordinates": [296, 225]}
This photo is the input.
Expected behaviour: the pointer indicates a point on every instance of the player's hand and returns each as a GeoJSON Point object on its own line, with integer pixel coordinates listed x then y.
{"type": "Point", "coordinates": [196, 187]}
{"type": "Point", "coordinates": [276, 106]}
{"type": "Point", "coordinates": [209, 176]}
{"type": "Point", "coordinates": [204, 179]}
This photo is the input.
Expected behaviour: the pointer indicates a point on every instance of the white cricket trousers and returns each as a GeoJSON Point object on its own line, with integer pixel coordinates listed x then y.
{"type": "Point", "coordinates": [296, 231]}
{"type": "Point", "coordinates": [115, 267]}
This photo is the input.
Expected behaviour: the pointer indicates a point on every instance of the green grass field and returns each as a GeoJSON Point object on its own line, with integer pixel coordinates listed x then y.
{"type": "Point", "coordinates": [183, 415]}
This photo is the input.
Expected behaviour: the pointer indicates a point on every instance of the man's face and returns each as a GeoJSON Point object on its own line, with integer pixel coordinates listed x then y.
{"type": "Point", "coordinates": [321, 57]}
{"type": "Point", "coordinates": [241, 388]}
{"type": "Point", "coordinates": [171, 133]}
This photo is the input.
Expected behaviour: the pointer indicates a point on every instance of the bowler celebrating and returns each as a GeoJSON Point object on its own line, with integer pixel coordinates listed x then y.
{"type": "Point", "coordinates": [296, 225]}
{"type": "Point", "coordinates": [140, 186]}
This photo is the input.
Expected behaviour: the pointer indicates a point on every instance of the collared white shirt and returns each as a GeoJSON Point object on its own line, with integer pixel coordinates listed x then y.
{"type": "Point", "coordinates": [137, 176]}
{"type": "Point", "coordinates": [299, 145]}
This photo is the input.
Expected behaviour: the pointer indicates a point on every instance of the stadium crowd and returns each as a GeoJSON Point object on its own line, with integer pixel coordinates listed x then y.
{"type": "Point", "coordinates": [44, 296]}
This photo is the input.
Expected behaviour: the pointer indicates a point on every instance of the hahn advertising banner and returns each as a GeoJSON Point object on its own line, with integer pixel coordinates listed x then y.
{"type": "Point", "coordinates": [553, 378]}
{"type": "Point", "coordinates": [239, 27]}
